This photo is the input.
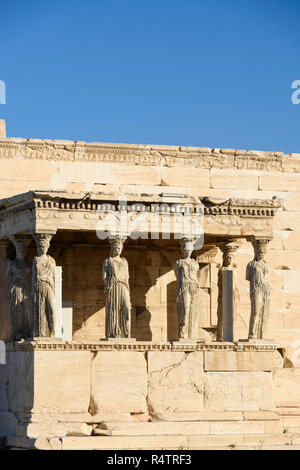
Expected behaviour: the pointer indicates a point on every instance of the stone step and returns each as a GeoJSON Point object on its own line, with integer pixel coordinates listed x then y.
{"type": "Point", "coordinates": [287, 447]}
{"type": "Point", "coordinates": [214, 416]}
{"type": "Point", "coordinates": [290, 421]}
{"type": "Point", "coordinates": [187, 428]}
{"type": "Point", "coordinates": [287, 411]}
{"type": "Point", "coordinates": [209, 442]}
{"type": "Point", "coordinates": [48, 430]}
{"type": "Point", "coordinates": [177, 442]}
{"type": "Point", "coordinates": [292, 430]}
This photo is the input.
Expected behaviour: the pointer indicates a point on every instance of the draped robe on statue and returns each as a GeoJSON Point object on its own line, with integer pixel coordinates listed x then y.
{"type": "Point", "coordinates": [43, 287]}
{"type": "Point", "coordinates": [117, 307]}
{"type": "Point", "coordinates": [20, 299]}
{"type": "Point", "coordinates": [186, 271]}
{"type": "Point", "coordinates": [258, 274]}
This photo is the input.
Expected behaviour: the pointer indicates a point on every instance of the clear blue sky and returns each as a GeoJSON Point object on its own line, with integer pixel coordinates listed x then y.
{"type": "Point", "coordinates": [206, 73]}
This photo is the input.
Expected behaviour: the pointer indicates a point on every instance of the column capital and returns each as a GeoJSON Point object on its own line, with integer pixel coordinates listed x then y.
{"type": "Point", "coordinates": [229, 246]}
{"type": "Point", "coordinates": [21, 239]}
{"type": "Point", "coordinates": [259, 240]}
{"type": "Point", "coordinates": [42, 240]}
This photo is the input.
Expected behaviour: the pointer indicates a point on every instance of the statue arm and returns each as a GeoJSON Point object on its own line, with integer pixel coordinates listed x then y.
{"type": "Point", "coordinates": [53, 269]}
{"type": "Point", "coordinates": [8, 271]}
{"type": "Point", "coordinates": [104, 270]}
{"type": "Point", "coordinates": [248, 271]}
{"type": "Point", "coordinates": [106, 275]}
{"type": "Point", "coordinates": [34, 275]}
{"type": "Point", "coordinates": [126, 269]}
{"type": "Point", "coordinates": [175, 268]}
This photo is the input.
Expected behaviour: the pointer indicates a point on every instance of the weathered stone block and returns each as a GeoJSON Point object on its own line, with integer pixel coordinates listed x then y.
{"type": "Point", "coordinates": [62, 381]}
{"type": "Point", "coordinates": [238, 427]}
{"type": "Point", "coordinates": [41, 443]}
{"type": "Point", "coordinates": [292, 240]}
{"type": "Point", "coordinates": [233, 179]}
{"type": "Point", "coordinates": [188, 177]}
{"type": "Point", "coordinates": [237, 361]}
{"type": "Point", "coordinates": [291, 319]}
{"type": "Point", "coordinates": [55, 417]}
{"type": "Point", "coordinates": [291, 202]}
{"type": "Point", "coordinates": [291, 281]}
{"type": "Point", "coordinates": [279, 181]}
{"type": "Point", "coordinates": [154, 429]}
{"type": "Point", "coordinates": [286, 386]}
{"type": "Point", "coordinates": [128, 174]}
{"type": "Point", "coordinates": [53, 429]}
{"type": "Point", "coordinates": [119, 382]}
{"type": "Point", "coordinates": [287, 220]}
{"type": "Point", "coordinates": [176, 381]}
{"type": "Point", "coordinates": [21, 380]}
{"type": "Point", "coordinates": [238, 391]}
{"type": "Point", "coordinates": [49, 381]}
{"type": "Point", "coordinates": [199, 416]}
{"type": "Point", "coordinates": [260, 415]}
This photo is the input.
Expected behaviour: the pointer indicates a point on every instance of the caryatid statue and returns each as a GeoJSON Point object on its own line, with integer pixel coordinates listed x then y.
{"type": "Point", "coordinates": [187, 275]}
{"type": "Point", "coordinates": [228, 250]}
{"type": "Point", "coordinates": [117, 297]}
{"type": "Point", "coordinates": [19, 272]}
{"type": "Point", "coordinates": [43, 288]}
{"type": "Point", "coordinates": [260, 289]}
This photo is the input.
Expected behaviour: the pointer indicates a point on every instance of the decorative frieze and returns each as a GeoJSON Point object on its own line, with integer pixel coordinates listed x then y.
{"type": "Point", "coordinates": [265, 161]}
{"type": "Point", "coordinates": [140, 346]}
{"type": "Point", "coordinates": [147, 155]}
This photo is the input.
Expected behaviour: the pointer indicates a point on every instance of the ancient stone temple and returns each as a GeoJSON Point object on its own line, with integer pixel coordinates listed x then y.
{"type": "Point", "coordinates": [125, 327]}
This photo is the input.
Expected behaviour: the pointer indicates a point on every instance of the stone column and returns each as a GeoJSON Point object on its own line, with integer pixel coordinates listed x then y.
{"type": "Point", "coordinates": [19, 272]}
{"type": "Point", "coordinates": [187, 274]}
{"type": "Point", "coordinates": [257, 273]}
{"type": "Point", "coordinates": [228, 293]}
{"type": "Point", "coordinates": [43, 288]}
{"type": "Point", "coordinates": [115, 274]}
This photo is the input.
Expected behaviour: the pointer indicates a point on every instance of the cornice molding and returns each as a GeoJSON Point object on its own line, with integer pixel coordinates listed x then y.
{"type": "Point", "coordinates": [157, 155]}
{"type": "Point", "coordinates": [48, 345]}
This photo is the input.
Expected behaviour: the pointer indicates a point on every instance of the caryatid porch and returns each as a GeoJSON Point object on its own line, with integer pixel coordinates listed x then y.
{"type": "Point", "coordinates": [129, 379]}
{"type": "Point", "coordinates": [72, 224]}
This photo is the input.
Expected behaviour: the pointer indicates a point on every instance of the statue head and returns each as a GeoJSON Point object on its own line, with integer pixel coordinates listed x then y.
{"type": "Point", "coordinates": [228, 258]}
{"type": "Point", "coordinates": [116, 247]}
{"type": "Point", "coordinates": [187, 248]}
{"type": "Point", "coordinates": [42, 243]}
{"type": "Point", "coordinates": [260, 249]}
{"type": "Point", "coordinates": [20, 244]}
{"type": "Point", "coordinates": [228, 249]}
{"type": "Point", "coordinates": [20, 251]}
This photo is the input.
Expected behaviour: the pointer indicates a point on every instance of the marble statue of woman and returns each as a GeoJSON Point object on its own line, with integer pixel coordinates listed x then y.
{"type": "Point", "coordinates": [19, 272]}
{"type": "Point", "coordinates": [117, 298]}
{"type": "Point", "coordinates": [228, 265]}
{"type": "Point", "coordinates": [43, 288]}
{"type": "Point", "coordinates": [258, 274]}
{"type": "Point", "coordinates": [187, 272]}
